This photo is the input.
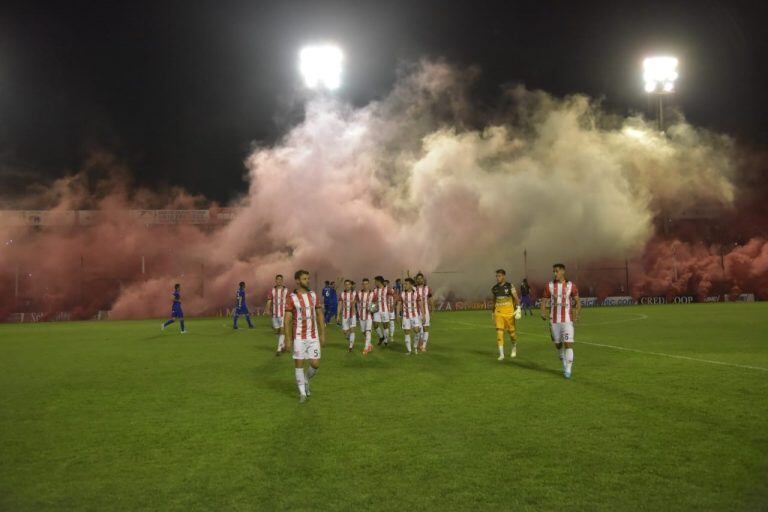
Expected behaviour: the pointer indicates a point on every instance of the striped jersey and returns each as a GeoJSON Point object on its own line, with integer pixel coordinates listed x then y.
{"type": "Point", "coordinates": [364, 300]}
{"type": "Point", "coordinates": [347, 303]}
{"type": "Point", "coordinates": [391, 299]}
{"type": "Point", "coordinates": [278, 297]}
{"type": "Point", "coordinates": [380, 295]}
{"type": "Point", "coordinates": [424, 294]}
{"type": "Point", "coordinates": [561, 296]}
{"type": "Point", "coordinates": [303, 305]}
{"type": "Point", "coordinates": [411, 303]}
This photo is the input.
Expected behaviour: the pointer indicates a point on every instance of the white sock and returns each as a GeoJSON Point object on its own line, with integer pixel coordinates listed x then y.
{"type": "Point", "coordinates": [311, 372]}
{"type": "Point", "coordinates": [568, 359]}
{"type": "Point", "coordinates": [351, 339]}
{"type": "Point", "coordinates": [561, 354]}
{"type": "Point", "coordinates": [408, 342]}
{"type": "Point", "coordinates": [501, 351]}
{"type": "Point", "coordinates": [280, 341]}
{"type": "Point", "coordinates": [300, 382]}
{"type": "Point", "coordinates": [367, 339]}
{"type": "Point", "coordinates": [426, 338]}
{"type": "Point", "coordinates": [391, 328]}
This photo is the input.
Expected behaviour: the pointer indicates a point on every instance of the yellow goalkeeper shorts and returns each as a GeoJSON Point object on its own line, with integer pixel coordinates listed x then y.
{"type": "Point", "coordinates": [505, 322]}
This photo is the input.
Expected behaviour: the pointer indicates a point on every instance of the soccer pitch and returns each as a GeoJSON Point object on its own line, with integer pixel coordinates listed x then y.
{"type": "Point", "coordinates": [667, 410]}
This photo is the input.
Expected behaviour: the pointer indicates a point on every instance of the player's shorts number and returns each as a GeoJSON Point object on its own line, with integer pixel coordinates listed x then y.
{"type": "Point", "coordinates": [306, 349]}
{"type": "Point", "coordinates": [562, 332]}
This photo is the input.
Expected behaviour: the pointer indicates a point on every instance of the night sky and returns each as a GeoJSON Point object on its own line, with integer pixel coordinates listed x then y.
{"type": "Point", "coordinates": [180, 91]}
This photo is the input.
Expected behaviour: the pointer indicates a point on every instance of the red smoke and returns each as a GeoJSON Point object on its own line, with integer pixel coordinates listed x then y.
{"type": "Point", "coordinates": [397, 185]}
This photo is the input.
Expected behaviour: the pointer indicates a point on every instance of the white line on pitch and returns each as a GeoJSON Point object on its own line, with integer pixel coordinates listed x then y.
{"type": "Point", "coordinates": [673, 356]}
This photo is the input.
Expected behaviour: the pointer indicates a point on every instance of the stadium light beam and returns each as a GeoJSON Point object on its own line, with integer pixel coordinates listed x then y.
{"type": "Point", "coordinates": [659, 75]}
{"type": "Point", "coordinates": [320, 66]}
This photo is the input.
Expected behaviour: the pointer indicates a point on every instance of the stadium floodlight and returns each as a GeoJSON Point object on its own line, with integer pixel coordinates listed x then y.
{"type": "Point", "coordinates": [659, 75]}
{"type": "Point", "coordinates": [320, 66]}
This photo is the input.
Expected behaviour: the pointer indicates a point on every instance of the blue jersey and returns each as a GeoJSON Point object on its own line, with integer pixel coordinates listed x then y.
{"type": "Point", "coordinates": [176, 307]}
{"type": "Point", "coordinates": [240, 306]}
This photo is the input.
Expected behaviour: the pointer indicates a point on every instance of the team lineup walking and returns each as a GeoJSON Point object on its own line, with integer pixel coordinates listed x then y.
{"type": "Point", "coordinates": [299, 317]}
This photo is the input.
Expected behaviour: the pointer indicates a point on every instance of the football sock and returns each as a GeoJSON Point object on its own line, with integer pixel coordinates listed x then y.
{"type": "Point", "coordinates": [300, 381]}
{"type": "Point", "coordinates": [426, 338]}
{"type": "Point", "coordinates": [311, 372]}
{"type": "Point", "coordinates": [367, 339]}
{"type": "Point", "coordinates": [351, 338]}
{"type": "Point", "coordinates": [568, 359]}
{"type": "Point", "coordinates": [248, 319]}
{"type": "Point", "coordinates": [391, 328]}
{"type": "Point", "coordinates": [168, 322]}
{"type": "Point", "coordinates": [182, 324]}
{"type": "Point", "coordinates": [234, 320]}
{"type": "Point", "coordinates": [280, 341]}
{"type": "Point", "coordinates": [408, 342]}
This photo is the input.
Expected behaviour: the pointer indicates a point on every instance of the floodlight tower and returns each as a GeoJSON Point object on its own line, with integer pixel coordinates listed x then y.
{"type": "Point", "coordinates": [659, 75]}
{"type": "Point", "coordinates": [320, 66]}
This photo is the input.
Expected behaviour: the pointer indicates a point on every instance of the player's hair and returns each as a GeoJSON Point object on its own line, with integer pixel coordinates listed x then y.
{"type": "Point", "coordinates": [410, 280]}
{"type": "Point", "coordinates": [419, 274]}
{"type": "Point", "coordinates": [300, 273]}
{"type": "Point", "coordinates": [366, 280]}
{"type": "Point", "coordinates": [379, 279]}
{"type": "Point", "coordinates": [397, 280]}
{"type": "Point", "coordinates": [558, 265]}
{"type": "Point", "coordinates": [327, 283]}
{"type": "Point", "coordinates": [177, 285]}
{"type": "Point", "coordinates": [278, 275]}
{"type": "Point", "coordinates": [386, 281]}
{"type": "Point", "coordinates": [501, 271]}
{"type": "Point", "coordinates": [351, 281]}
{"type": "Point", "coordinates": [242, 283]}
{"type": "Point", "coordinates": [347, 281]}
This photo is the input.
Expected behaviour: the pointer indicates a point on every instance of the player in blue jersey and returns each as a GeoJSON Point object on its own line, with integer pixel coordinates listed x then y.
{"type": "Point", "coordinates": [330, 301]}
{"type": "Point", "coordinates": [176, 312]}
{"type": "Point", "coordinates": [240, 307]}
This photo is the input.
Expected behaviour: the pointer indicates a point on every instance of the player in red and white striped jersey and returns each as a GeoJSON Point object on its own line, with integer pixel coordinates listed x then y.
{"type": "Point", "coordinates": [425, 296]}
{"type": "Point", "coordinates": [559, 294]}
{"type": "Point", "coordinates": [409, 305]}
{"type": "Point", "coordinates": [306, 331]}
{"type": "Point", "coordinates": [276, 299]}
{"type": "Point", "coordinates": [347, 314]}
{"type": "Point", "coordinates": [365, 297]}
{"type": "Point", "coordinates": [381, 316]}
{"type": "Point", "coordinates": [391, 300]}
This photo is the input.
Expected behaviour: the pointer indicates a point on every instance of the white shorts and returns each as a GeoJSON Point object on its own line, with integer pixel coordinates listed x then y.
{"type": "Point", "coordinates": [277, 322]}
{"type": "Point", "coordinates": [425, 319]}
{"type": "Point", "coordinates": [562, 332]}
{"type": "Point", "coordinates": [381, 317]}
{"type": "Point", "coordinates": [366, 325]}
{"type": "Point", "coordinates": [412, 323]}
{"type": "Point", "coordinates": [348, 323]}
{"type": "Point", "coordinates": [306, 349]}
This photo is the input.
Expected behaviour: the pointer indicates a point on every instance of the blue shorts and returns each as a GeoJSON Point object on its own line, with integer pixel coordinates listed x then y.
{"type": "Point", "coordinates": [242, 311]}
{"type": "Point", "coordinates": [526, 301]}
{"type": "Point", "coordinates": [176, 312]}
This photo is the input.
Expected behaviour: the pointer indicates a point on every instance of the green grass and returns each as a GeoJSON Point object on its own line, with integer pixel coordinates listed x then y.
{"type": "Point", "coordinates": [118, 416]}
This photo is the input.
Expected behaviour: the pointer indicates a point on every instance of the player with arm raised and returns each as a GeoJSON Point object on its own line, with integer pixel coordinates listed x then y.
{"type": "Point", "coordinates": [306, 331]}
{"type": "Point", "coordinates": [506, 310]}
{"type": "Point", "coordinates": [276, 307]}
{"type": "Point", "coordinates": [559, 294]}
{"type": "Point", "coordinates": [347, 314]}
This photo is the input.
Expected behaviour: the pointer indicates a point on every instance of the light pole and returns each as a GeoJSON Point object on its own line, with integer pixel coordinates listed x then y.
{"type": "Point", "coordinates": [659, 75]}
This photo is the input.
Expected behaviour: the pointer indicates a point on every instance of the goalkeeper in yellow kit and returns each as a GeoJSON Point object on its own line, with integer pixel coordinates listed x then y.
{"type": "Point", "coordinates": [506, 310]}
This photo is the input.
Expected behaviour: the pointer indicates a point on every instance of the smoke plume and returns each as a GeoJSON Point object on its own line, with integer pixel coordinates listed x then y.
{"type": "Point", "coordinates": [422, 179]}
